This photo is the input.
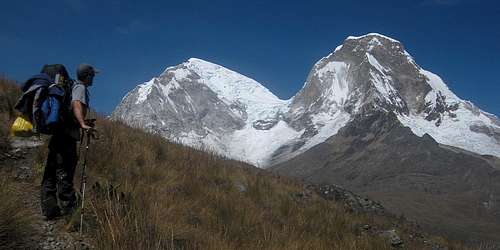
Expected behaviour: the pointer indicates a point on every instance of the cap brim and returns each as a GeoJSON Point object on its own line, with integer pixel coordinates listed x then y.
{"type": "Point", "coordinates": [97, 71]}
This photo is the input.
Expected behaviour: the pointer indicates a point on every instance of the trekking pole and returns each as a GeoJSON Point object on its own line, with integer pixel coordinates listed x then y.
{"type": "Point", "coordinates": [84, 178]}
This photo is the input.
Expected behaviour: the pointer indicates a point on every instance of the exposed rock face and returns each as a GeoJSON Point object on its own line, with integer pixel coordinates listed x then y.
{"type": "Point", "coordinates": [369, 70]}
{"type": "Point", "coordinates": [354, 202]}
{"type": "Point", "coordinates": [205, 105]}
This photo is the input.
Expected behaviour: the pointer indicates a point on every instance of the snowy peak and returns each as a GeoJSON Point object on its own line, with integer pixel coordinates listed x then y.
{"type": "Point", "coordinates": [229, 84]}
{"type": "Point", "coordinates": [372, 35]}
{"type": "Point", "coordinates": [220, 79]}
{"type": "Point", "coordinates": [373, 43]}
{"type": "Point", "coordinates": [381, 74]}
{"type": "Point", "coordinates": [244, 95]}
{"type": "Point", "coordinates": [355, 75]}
{"type": "Point", "coordinates": [374, 72]}
{"type": "Point", "coordinates": [421, 98]}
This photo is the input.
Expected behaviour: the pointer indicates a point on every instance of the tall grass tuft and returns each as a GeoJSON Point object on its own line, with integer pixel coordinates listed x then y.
{"type": "Point", "coordinates": [9, 93]}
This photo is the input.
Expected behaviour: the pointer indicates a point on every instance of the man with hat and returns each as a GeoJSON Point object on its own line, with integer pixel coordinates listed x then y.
{"type": "Point", "coordinates": [80, 94]}
{"type": "Point", "coordinates": [57, 183]}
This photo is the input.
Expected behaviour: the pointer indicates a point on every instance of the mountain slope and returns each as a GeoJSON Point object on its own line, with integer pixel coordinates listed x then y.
{"type": "Point", "coordinates": [377, 156]}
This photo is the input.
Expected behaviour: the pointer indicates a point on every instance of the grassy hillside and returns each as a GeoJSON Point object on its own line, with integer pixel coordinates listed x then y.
{"type": "Point", "coordinates": [155, 195]}
{"type": "Point", "coordinates": [147, 193]}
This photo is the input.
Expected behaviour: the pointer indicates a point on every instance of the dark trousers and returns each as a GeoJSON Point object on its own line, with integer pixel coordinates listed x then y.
{"type": "Point", "coordinates": [57, 183]}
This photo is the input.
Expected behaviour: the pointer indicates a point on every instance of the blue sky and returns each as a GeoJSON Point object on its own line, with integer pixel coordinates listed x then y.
{"type": "Point", "coordinates": [273, 42]}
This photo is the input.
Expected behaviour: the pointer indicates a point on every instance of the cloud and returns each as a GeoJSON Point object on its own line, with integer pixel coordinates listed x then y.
{"type": "Point", "coordinates": [135, 26]}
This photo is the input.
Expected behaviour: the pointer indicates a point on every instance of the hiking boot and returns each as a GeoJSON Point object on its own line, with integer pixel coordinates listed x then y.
{"type": "Point", "coordinates": [68, 211]}
{"type": "Point", "coordinates": [52, 215]}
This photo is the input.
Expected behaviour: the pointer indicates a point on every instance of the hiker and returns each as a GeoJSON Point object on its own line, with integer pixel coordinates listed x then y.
{"type": "Point", "coordinates": [57, 183]}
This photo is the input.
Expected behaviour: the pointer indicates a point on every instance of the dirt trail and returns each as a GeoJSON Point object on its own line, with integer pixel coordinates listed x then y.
{"type": "Point", "coordinates": [19, 165]}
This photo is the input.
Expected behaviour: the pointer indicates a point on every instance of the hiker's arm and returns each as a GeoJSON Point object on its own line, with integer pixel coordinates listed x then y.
{"type": "Point", "coordinates": [78, 112]}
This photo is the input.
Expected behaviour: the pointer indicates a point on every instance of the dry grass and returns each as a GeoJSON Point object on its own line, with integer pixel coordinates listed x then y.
{"type": "Point", "coordinates": [16, 225]}
{"type": "Point", "coordinates": [152, 194]}
{"type": "Point", "coordinates": [176, 197]}
{"type": "Point", "coordinates": [9, 93]}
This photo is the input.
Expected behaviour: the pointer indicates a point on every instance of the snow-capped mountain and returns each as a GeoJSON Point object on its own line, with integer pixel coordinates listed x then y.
{"type": "Point", "coordinates": [205, 105]}
{"type": "Point", "coordinates": [376, 72]}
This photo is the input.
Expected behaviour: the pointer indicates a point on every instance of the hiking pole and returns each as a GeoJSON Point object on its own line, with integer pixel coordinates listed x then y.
{"type": "Point", "coordinates": [84, 177]}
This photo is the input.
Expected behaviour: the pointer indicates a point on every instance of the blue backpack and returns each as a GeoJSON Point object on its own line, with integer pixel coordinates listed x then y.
{"type": "Point", "coordinates": [45, 102]}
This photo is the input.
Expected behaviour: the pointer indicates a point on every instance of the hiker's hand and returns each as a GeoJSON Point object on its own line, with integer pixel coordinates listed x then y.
{"type": "Point", "coordinates": [85, 126]}
{"type": "Point", "coordinates": [92, 132]}
{"type": "Point", "coordinates": [90, 122]}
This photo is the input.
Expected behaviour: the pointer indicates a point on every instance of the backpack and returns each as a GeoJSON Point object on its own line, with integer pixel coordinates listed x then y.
{"type": "Point", "coordinates": [44, 102]}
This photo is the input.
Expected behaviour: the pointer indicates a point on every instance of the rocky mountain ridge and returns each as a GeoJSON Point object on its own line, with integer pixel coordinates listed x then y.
{"type": "Point", "coordinates": [205, 105]}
